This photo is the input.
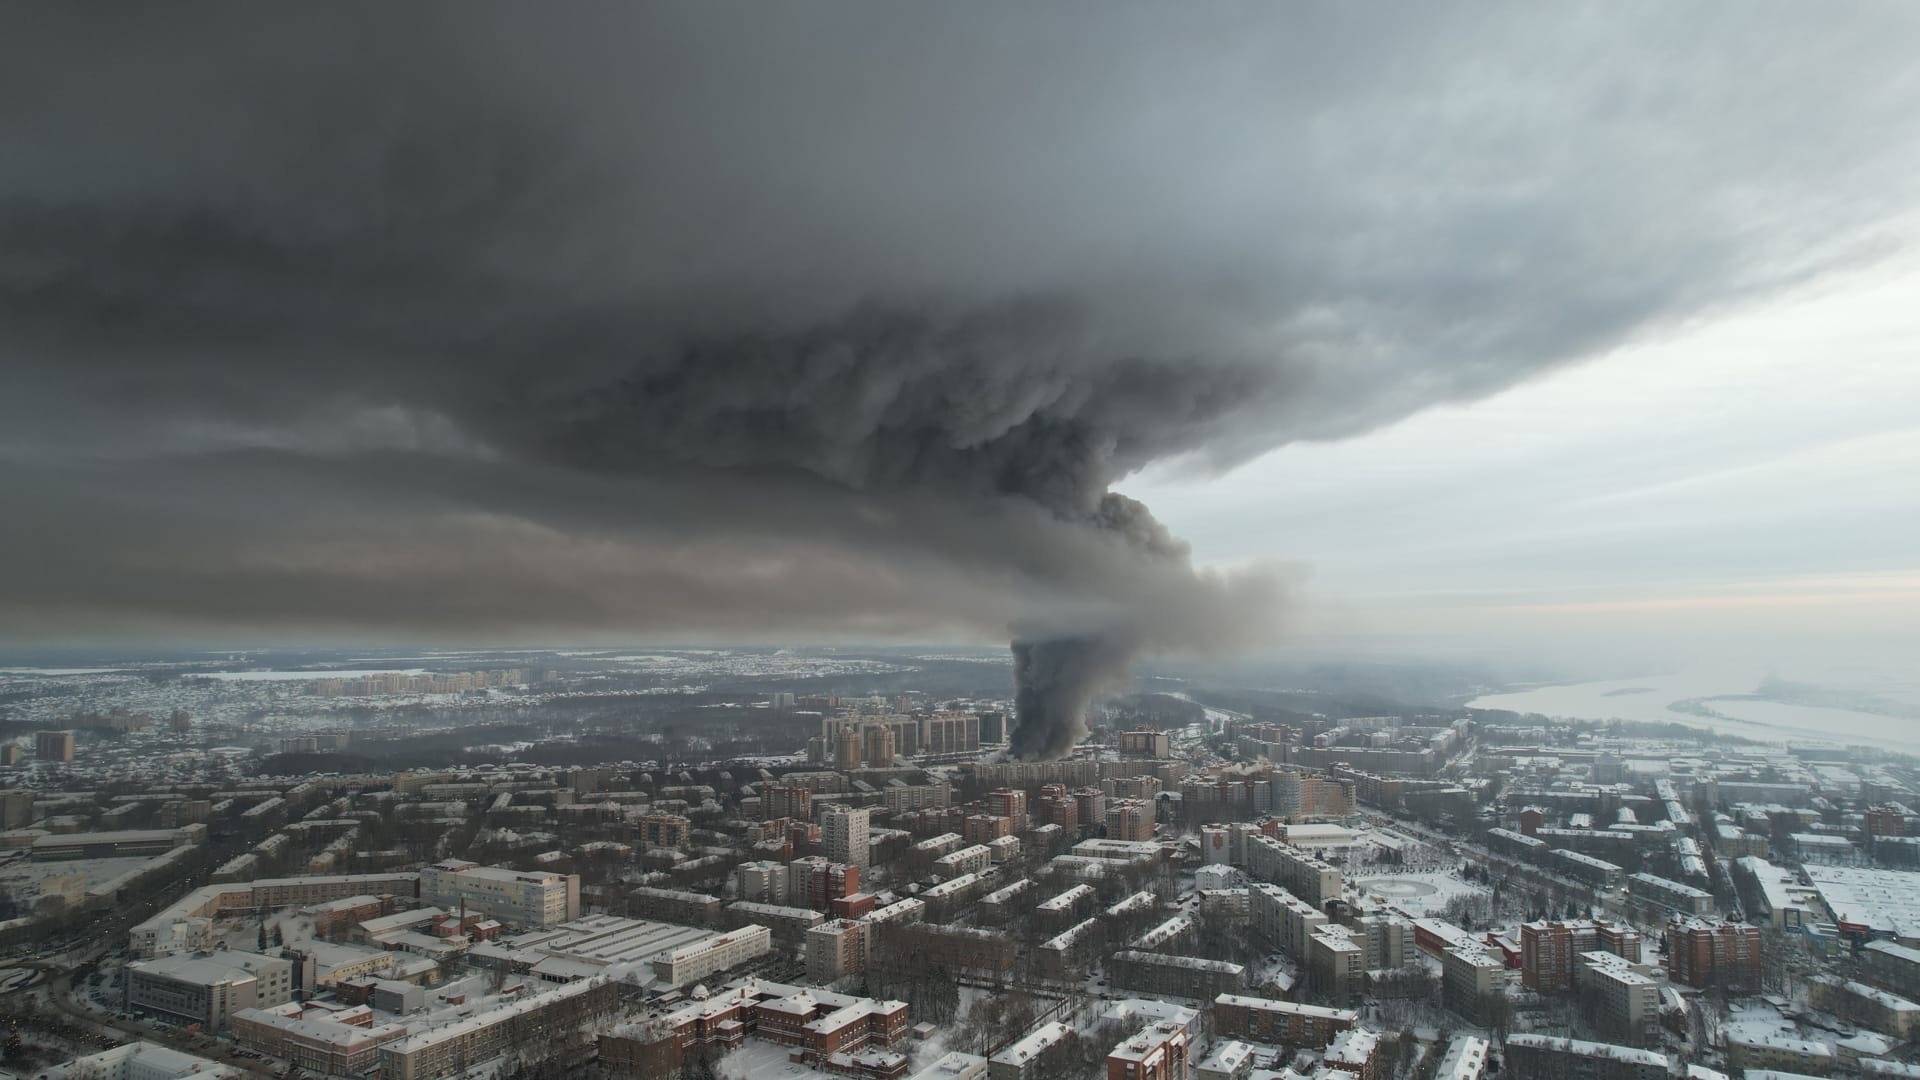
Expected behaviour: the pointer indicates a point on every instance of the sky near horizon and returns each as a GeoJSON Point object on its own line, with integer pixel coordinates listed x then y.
{"type": "Point", "coordinates": [1747, 487]}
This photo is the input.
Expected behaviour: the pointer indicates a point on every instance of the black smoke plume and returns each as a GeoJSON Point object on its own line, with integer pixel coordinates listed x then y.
{"type": "Point", "coordinates": [1055, 679]}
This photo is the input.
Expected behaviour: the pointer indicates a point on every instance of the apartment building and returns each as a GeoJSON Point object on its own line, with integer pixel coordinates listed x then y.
{"type": "Point", "coordinates": [1386, 939]}
{"type": "Point", "coordinates": [1892, 966]}
{"type": "Point", "coordinates": [1470, 978]}
{"type": "Point", "coordinates": [945, 733]}
{"type": "Point", "coordinates": [53, 746]}
{"type": "Point", "coordinates": [844, 832]}
{"type": "Point", "coordinates": [115, 844]}
{"type": "Point", "coordinates": [1675, 896]}
{"type": "Point", "coordinates": [1024, 1059]}
{"type": "Point", "coordinates": [529, 900]}
{"type": "Point", "coordinates": [763, 881]}
{"type": "Point", "coordinates": [1465, 1059]}
{"type": "Point", "coordinates": [1549, 949]}
{"type": "Point", "coordinates": [1159, 1051]}
{"type": "Point", "coordinates": [1282, 919]}
{"type": "Point", "coordinates": [1302, 795]}
{"type": "Point", "coordinates": [1703, 953]}
{"type": "Point", "coordinates": [816, 882]}
{"type": "Point", "coordinates": [786, 801]}
{"type": "Point", "coordinates": [1129, 819]}
{"type": "Point", "coordinates": [1629, 1000]}
{"type": "Point", "coordinates": [662, 831]}
{"type": "Point", "coordinates": [1780, 1053]}
{"type": "Point", "coordinates": [1284, 1023]}
{"type": "Point", "coordinates": [675, 905]}
{"type": "Point", "coordinates": [1879, 1010]}
{"type": "Point", "coordinates": [1009, 803]}
{"type": "Point", "coordinates": [835, 950]}
{"type": "Point", "coordinates": [967, 860]}
{"type": "Point", "coordinates": [1165, 975]}
{"type": "Point", "coordinates": [1598, 873]}
{"type": "Point", "coordinates": [1336, 965]}
{"type": "Point", "coordinates": [1356, 1053]}
{"type": "Point", "coordinates": [984, 828]}
{"type": "Point", "coordinates": [1278, 863]}
{"type": "Point", "coordinates": [1145, 742]}
{"type": "Point", "coordinates": [1544, 1057]}
{"type": "Point", "coordinates": [329, 1042]}
{"type": "Point", "coordinates": [526, 1027]}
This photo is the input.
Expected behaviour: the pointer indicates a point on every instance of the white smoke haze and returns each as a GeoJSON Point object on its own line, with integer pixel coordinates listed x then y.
{"type": "Point", "coordinates": [470, 321]}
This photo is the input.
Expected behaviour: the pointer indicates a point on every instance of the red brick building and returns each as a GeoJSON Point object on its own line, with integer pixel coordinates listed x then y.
{"type": "Point", "coordinates": [1011, 804]}
{"type": "Point", "coordinates": [1703, 954]}
{"type": "Point", "coordinates": [1056, 807]}
{"type": "Point", "coordinates": [1159, 1051]}
{"type": "Point", "coordinates": [1285, 1023]}
{"type": "Point", "coordinates": [1531, 819]}
{"type": "Point", "coordinates": [1549, 950]}
{"type": "Point", "coordinates": [983, 828]}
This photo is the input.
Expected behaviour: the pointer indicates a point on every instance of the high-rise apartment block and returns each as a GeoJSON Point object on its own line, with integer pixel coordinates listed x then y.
{"type": "Point", "coordinates": [1056, 807]}
{"type": "Point", "coordinates": [761, 881]}
{"type": "Point", "coordinates": [1159, 1051]}
{"type": "Point", "coordinates": [1549, 950]}
{"type": "Point", "coordinates": [1129, 819]}
{"type": "Point", "coordinates": [663, 831]}
{"type": "Point", "coordinates": [1011, 804]}
{"type": "Point", "coordinates": [950, 733]}
{"type": "Point", "coordinates": [53, 745]}
{"type": "Point", "coordinates": [786, 801]}
{"type": "Point", "coordinates": [1145, 743]}
{"type": "Point", "coordinates": [844, 832]}
{"type": "Point", "coordinates": [1704, 953]}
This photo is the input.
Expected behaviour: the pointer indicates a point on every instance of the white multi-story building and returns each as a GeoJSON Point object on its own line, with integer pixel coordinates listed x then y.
{"type": "Point", "coordinates": [1282, 919]}
{"type": "Point", "coordinates": [208, 988]}
{"type": "Point", "coordinates": [1307, 877]}
{"type": "Point", "coordinates": [968, 860]}
{"type": "Point", "coordinates": [688, 964]}
{"type": "Point", "coordinates": [526, 1027]}
{"type": "Point", "coordinates": [764, 881]}
{"type": "Point", "coordinates": [1465, 1059]}
{"type": "Point", "coordinates": [1629, 998]}
{"type": "Point", "coordinates": [518, 898]}
{"type": "Point", "coordinates": [1021, 1061]}
{"type": "Point", "coordinates": [1230, 1060]}
{"type": "Point", "coordinates": [844, 831]}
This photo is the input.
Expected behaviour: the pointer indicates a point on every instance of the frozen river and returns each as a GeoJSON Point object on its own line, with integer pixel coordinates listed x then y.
{"type": "Point", "coordinates": [1649, 699]}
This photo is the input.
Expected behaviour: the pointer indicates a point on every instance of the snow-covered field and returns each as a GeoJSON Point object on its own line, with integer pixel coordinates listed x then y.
{"type": "Point", "coordinates": [1411, 890]}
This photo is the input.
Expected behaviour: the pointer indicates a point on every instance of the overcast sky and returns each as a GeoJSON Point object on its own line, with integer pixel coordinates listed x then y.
{"type": "Point", "coordinates": [1745, 489]}
{"type": "Point", "coordinates": [1558, 327]}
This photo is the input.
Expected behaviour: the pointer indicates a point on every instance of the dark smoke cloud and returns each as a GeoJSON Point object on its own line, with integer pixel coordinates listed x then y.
{"type": "Point", "coordinates": [1056, 677]}
{"type": "Point", "coordinates": [485, 321]}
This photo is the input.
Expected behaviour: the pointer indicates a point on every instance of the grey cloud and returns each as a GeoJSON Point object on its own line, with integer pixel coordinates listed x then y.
{"type": "Point", "coordinates": [633, 273]}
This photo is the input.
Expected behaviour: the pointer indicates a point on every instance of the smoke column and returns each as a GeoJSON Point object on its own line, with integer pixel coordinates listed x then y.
{"type": "Point", "coordinates": [1055, 679]}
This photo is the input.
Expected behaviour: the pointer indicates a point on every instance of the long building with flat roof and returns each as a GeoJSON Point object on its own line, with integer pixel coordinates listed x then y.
{"type": "Point", "coordinates": [529, 899]}
{"type": "Point", "coordinates": [185, 925]}
{"type": "Point", "coordinates": [524, 1026]}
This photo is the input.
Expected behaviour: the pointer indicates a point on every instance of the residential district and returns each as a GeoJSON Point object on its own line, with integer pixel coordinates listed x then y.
{"type": "Point", "coordinates": [1203, 895]}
